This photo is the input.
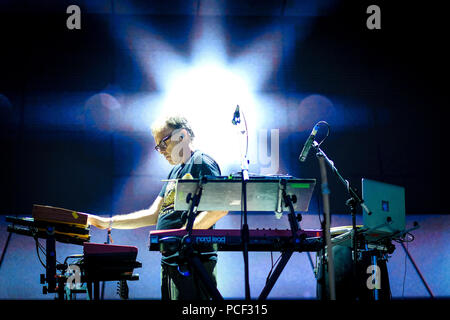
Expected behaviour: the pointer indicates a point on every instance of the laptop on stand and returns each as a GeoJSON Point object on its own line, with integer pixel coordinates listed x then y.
{"type": "Point", "coordinates": [387, 205]}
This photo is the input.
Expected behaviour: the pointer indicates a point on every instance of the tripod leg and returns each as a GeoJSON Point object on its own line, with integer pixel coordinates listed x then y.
{"type": "Point", "coordinates": [5, 248]}
{"type": "Point", "coordinates": [197, 265]}
{"type": "Point", "coordinates": [310, 261]}
{"type": "Point", "coordinates": [418, 271]}
{"type": "Point", "coordinates": [285, 256]}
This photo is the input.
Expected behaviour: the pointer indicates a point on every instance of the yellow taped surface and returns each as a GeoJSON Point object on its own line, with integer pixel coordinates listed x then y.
{"type": "Point", "coordinates": [74, 235]}
{"type": "Point", "coordinates": [61, 222]}
{"type": "Point", "coordinates": [75, 214]}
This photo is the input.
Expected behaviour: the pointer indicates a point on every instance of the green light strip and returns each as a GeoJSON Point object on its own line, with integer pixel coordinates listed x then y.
{"type": "Point", "coordinates": [299, 185]}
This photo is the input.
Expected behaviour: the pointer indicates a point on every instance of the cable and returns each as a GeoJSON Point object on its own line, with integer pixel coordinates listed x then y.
{"type": "Point", "coordinates": [246, 134]}
{"type": "Point", "coordinates": [273, 265]}
{"type": "Point", "coordinates": [41, 247]}
{"type": "Point", "coordinates": [405, 238]}
{"type": "Point", "coordinates": [37, 251]}
{"type": "Point", "coordinates": [43, 250]}
{"type": "Point", "coordinates": [328, 131]}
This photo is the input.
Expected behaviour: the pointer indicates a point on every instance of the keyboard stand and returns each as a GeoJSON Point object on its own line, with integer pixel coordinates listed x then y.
{"type": "Point", "coordinates": [297, 241]}
{"type": "Point", "coordinates": [276, 195]}
{"type": "Point", "coordinates": [186, 250]}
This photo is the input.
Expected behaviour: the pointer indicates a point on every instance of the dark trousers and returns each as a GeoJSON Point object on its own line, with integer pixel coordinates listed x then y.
{"type": "Point", "coordinates": [176, 286]}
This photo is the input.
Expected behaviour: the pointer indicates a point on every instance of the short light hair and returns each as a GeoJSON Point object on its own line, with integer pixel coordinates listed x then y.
{"type": "Point", "coordinates": [172, 122]}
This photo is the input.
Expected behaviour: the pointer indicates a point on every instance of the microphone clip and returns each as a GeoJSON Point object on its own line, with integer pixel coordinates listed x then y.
{"type": "Point", "coordinates": [236, 116]}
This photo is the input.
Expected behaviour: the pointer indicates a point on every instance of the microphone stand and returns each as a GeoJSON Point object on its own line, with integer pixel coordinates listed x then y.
{"type": "Point", "coordinates": [354, 200]}
{"type": "Point", "coordinates": [108, 237]}
{"type": "Point", "coordinates": [245, 177]}
{"type": "Point", "coordinates": [326, 232]}
{"type": "Point", "coordinates": [245, 230]}
{"type": "Point", "coordinates": [187, 251]}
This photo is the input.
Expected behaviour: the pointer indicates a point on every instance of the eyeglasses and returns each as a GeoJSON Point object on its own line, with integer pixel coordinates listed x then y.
{"type": "Point", "coordinates": [163, 145]}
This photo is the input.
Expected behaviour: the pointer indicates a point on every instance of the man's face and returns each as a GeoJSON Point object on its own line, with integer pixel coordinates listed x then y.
{"type": "Point", "coordinates": [168, 141]}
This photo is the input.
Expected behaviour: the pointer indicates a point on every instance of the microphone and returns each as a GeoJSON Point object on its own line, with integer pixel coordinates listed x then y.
{"type": "Point", "coordinates": [236, 116]}
{"type": "Point", "coordinates": [308, 144]}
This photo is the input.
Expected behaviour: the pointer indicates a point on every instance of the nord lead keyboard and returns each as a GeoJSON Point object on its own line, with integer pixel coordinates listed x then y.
{"type": "Point", "coordinates": [231, 240]}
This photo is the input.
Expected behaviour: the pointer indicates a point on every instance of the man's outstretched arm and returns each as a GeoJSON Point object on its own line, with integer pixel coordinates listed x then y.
{"type": "Point", "coordinates": [138, 219]}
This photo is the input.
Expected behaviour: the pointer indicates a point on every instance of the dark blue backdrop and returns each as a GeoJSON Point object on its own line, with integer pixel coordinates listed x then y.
{"type": "Point", "coordinates": [58, 148]}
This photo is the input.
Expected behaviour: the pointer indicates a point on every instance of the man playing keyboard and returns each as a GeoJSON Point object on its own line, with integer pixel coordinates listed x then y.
{"type": "Point", "coordinates": [173, 137]}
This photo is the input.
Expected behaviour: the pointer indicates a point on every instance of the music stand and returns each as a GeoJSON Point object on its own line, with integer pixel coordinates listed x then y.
{"type": "Point", "coordinates": [224, 194]}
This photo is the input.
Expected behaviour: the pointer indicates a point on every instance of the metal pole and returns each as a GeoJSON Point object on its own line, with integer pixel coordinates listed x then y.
{"type": "Point", "coordinates": [326, 210]}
